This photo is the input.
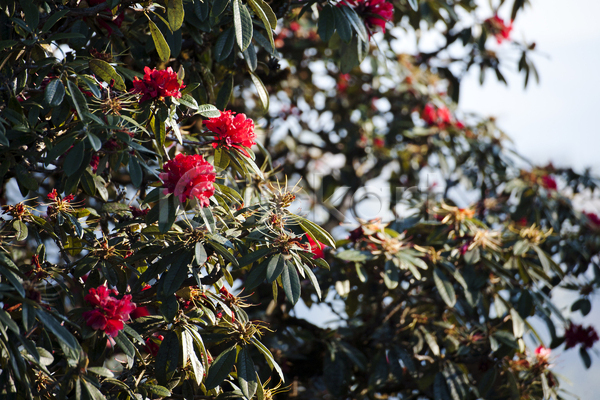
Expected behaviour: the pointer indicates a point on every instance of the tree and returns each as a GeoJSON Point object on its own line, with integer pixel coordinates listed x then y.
{"type": "Point", "coordinates": [144, 200]}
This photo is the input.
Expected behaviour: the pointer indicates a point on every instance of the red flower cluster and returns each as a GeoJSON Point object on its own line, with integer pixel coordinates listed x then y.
{"type": "Point", "coordinates": [375, 12]}
{"type": "Point", "coordinates": [53, 196]}
{"type": "Point", "coordinates": [548, 182]}
{"type": "Point", "coordinates": [158, 84]}
{"type": "Point", "coordinates": [316, 247]}
{"type": "Point", "coordinates": [543, 354]}
{"type": "Point", "coordinates": [499, 28]}
{"type": "Point", "coordinates": [232, 131]}
{"type": "Point", "coordinates": [189, 176]}
{"type": "Point", "coordinates": [434, 116]}
{"type": "Point", "coordinates": [109, 313]}
{"type": "Point", "coordinates": [577, 334]}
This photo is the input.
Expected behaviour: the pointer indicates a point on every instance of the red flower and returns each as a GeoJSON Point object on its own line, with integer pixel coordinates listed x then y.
{"type": "Point", "coordinates": [95, 162]}
{"type": "Point", "coordinates": [548, 182]}
{"type": "Point", "coordinates": [189, 176]}
{"type": "Point", "coordinates": [577, 334]}
{"type": "Point", "coordinates": [378, 142]}
{"type": "Point", "coordinates": [429, 114]}
{"type": "Point", "coordinates": [374, 12]}
{"type": "Point", "coordinates": [499, 28]}
{"type": "Point", "coordinates": [593, 219]}
{"type": "Point", "coordinates": [109, 313]}
{"type": "Point", "coordinates": [153, 343]}
{"type": "Point", "coordinates": [232, 131]}
{"type": "Point", "coordinates": [444, 116]}
{"type": "Point", "coordinates": [316, 247]}
{"type": "Point", "coordinates": [342, 83]}
{"type": "Point", "coordinates": [157, 84]}
{"type": "Point", "coordinates": [543, 354]}
{"type": "Point", "coordinates": [140, 312]}
{"type": "Point", "coordinates": [138, 212]}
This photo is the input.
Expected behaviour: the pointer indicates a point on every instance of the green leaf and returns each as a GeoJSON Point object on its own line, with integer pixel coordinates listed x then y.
{"type": "Point", "coordinates": [268, 356]}
{"type": "Point", "coordinates": [167, 358]}
{"type": "Point", "coordinates": [585, 357]}
{"type": "Point", "coordinates": [162, 48]}
{"type": "Point", "coordinates": [315, 231]}
{"type": "Point", "coordinates": [176, 274]}
{"type": "Point", "coordinates": [290, 282]}
{"type": "Point", "coordinates": [8, 322]}
{"type": "Point", "coordinates": [275, 267]}
{"type": "Point", "coordinates": [74, 159]}
{"type": "Point", "coordinates": [54, 93]}
{"type": "Point", "coordinates": [445, 287]}
{"type": "Point", "coordinates": [254, 256]}
{"type": "Point", "coordinates": [357, 23]}
{"type": "Point", "coordinates": [326, 23]}
{"type": "Point", "coordinates": [61, 333]}
{"type": "Point", "coordinates": [78, 100]}
{"type": "Point", "coordinates": [167, 213]}
{"type": "Point", "coordinates": [157, 390]}
{"type": "Point", "coordinates": [263, 94]}
{"type": "Point", "coordinates": [125, 344]}
{"type": "Point", "coordinates": [224, 45]}
{"type": "Point", "coordinates": [242, 21]}
{"type": "Point", "coordinates": [342, 25]}
{"type": "Point", "coordinates": [200, 253]}
{"type": "Point", "coordinates": [54, 18]}
{"type": "Point", "coordinates": [414, 4]}
{"type": "Point", "coordinates": [94, 141]}
{"type": "Point", "coordinates": [225, 92]}
{"type": "Point", "coordinates": [256, 276]}
{"type": "Point", "coordinates": [220, 368]}
{"type": "Point", "coordinates": [584, 305]}
{"type": "Point", "coordinates": [208, 111]}
{"type": "Point", "coordinates": [391, 275]}
{"type": "Point", "coordinates": [175, 14]}
{"type": "Point", "coordinates": [218, 7]}
{"type": "Point", "coordinates": [32, 14]}
{"type": "Point", "coordinates": [6, 44]}
{"type": "Point", "coordinates": [107, 73]}
{"type": "Point", "coordinates": [135, 171]}
{"type": "Point", "coordinates": [246, 373]}
{"type": "Point", "coordinates": [21, 229]}
{"type": "Point", "coordinates": [266, 15]}
{"type": "Point", "coordinates": [93, 392]}
{"type": "Point", "coordinates": [59, 149]}
{"type": "Point", "coordinates": [201, 9]}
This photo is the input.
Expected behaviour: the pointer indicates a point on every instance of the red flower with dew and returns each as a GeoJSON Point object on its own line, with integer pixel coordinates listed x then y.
{"type": "Point", "coordinates": [499, 28]}
{"type": "Point", "coordinates": [316, 247]}
{"type": "Point", "coordinates": [189, 176]}
{"type": "Point", "coordinates": [158, 84]}
{"type": "Point", "coordinates": [153, 343]}
{"type": "Point", "coordinates": [232, 130]}
{"type": "Point", "coordinates": [109, 313]}
{"type": "Point", "coordinates": [577, 334]}
{"type": "Point", "coordinates": [374, 12]}
{"type": "Point", "coordinates": [548, 182]}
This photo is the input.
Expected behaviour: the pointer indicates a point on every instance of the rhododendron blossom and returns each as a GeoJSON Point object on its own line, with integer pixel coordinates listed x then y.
{"type": "Point", "coordinates": [434, 116]}
{"type": "Point", "coordinates": [189, 176]}
{"type": "Point", "coordinates": [232, 130]}
{"type": "Point", "coordinates": [374, 12]}
{"type": "Point", "coordinates": [499, 28]}
{"type": "Point", "coordinates": [109, 313]}
{"type": "Point", "coordinates": [543, 354]}
{"type": "Point", "coordinates": [577, 334]}
{"type": "Point", "coordinates": [158, 84]}
{"type": "Point", "coordinates": [549, 183]}
{"type": "Point", "coordinates": [316, 247]}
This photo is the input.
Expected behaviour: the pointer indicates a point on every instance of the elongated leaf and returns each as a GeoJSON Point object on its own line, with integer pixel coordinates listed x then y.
{"type": "Point", "coordinates": [445, 287]}
{"type": "Point", "coordinates": [175, 14]}
{"type": "Point", "coordinates": [260, 9]}
{"type": "Point", "coordinates": [256, 276]}
{"type": "Point", "coordinates": [326, 23]}
{"type": "Point", "coordinates": [275, 267]}
{"type": "Point", "coordinates": [220, 368]}
{"type": "Point", "coordinates": [246, 373]}
{"type": "Point", "coordinates": [242, 21]}
{"type": "Point", "coordinates": [254, 256]}
{"type": "Point", "coordinates": [162, 48]}
{"type": "Point", "coordinates": [268, 356]}
{"type": "Point", "coordinates": [315, 231]}
{"type": "Point", "coordinates": [263, 94]}
{"type": "Point", "coordinates": [291, 282]}
{"type": "Point", "coordinates": [167, 358]}
{"type": "Point", "coordinates": [208, 111]}
{"type": "Point", "coordinates": [176, 274]}
{"type": "Point", "coordinates": [107, 73]}
{"type": "Point", "coordinates": [225, 93]}
{"type": "Point", "coordinates": [61, 333]}
{"type": "Point", "coordinates": [414, 4]}
{"type": "Point", "coordinates": [74, 159]}
{"type": "Point", "coordinates": [357, 23]}
{"type": "Point", "coordinates": [342, 25]}
{"type": "Point", "coordinates": [54, 93]}
{"type": "Point", "coordinates": [78, 100]}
